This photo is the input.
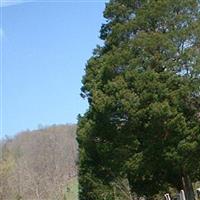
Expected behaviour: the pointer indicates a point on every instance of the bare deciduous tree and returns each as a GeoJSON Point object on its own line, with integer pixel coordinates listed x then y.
{"type": "Point", "coordinates": [43, 162]}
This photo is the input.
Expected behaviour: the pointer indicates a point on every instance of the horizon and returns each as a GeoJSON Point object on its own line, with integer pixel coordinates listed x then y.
{"type": "Point", "coordinates": [39, 128]}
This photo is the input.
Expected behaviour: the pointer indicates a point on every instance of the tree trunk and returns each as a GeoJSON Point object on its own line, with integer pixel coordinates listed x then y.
{"type": "Point", "coordinates": [188, 188]}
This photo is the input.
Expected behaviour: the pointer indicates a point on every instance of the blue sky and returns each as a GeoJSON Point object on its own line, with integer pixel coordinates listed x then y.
{"type": "Point", "coordinates": [45, 46]}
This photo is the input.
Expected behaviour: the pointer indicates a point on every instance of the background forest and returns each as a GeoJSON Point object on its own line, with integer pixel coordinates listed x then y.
{"type": "Point", "coordinates": [40, 164]}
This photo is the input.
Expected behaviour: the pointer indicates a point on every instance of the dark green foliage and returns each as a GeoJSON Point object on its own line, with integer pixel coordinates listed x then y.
{"type": "Point", "coordinates": [143, 89]}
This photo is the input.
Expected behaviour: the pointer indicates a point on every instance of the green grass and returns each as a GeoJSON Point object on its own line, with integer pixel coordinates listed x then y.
{"type": "Point", "coordinates": [72, 189]}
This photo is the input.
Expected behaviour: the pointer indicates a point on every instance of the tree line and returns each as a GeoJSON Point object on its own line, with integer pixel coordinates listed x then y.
{"type": "Point", "coordinates": [38, 164]}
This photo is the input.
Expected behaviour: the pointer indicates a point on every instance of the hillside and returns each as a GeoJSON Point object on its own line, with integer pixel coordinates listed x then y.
{"type": "Point", "coordinates": [39, 164]}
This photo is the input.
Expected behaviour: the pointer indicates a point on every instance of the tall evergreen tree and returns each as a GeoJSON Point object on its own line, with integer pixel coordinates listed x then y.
{"type": "Point", "coordinates": [143, 89]}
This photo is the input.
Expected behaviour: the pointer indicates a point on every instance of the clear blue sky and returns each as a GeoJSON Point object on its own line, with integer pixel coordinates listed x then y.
{"type": "Point", "coordinates": [45, 48]}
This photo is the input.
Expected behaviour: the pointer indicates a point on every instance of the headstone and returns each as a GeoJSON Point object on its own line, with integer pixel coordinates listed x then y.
{"type": "Point", "coordinates": [167, 196]}
{"type": "Point", "coordinates": [198, 192]}
{"type": "Point", "coordinates": [182, 195]}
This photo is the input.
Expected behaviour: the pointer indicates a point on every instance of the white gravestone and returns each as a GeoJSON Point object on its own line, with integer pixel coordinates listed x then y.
{"type": "Point", "coordinates": [182, 195]}
{"type": "Point", "coordinates": [167, 196]}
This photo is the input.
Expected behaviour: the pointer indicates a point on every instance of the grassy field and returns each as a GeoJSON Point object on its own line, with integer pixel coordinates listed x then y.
{"type": "Point", "coordinates": [72, 189]}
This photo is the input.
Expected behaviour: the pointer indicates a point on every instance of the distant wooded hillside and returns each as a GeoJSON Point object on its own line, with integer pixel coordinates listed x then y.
{"type": "Point", "coordinates": [38, 164]}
